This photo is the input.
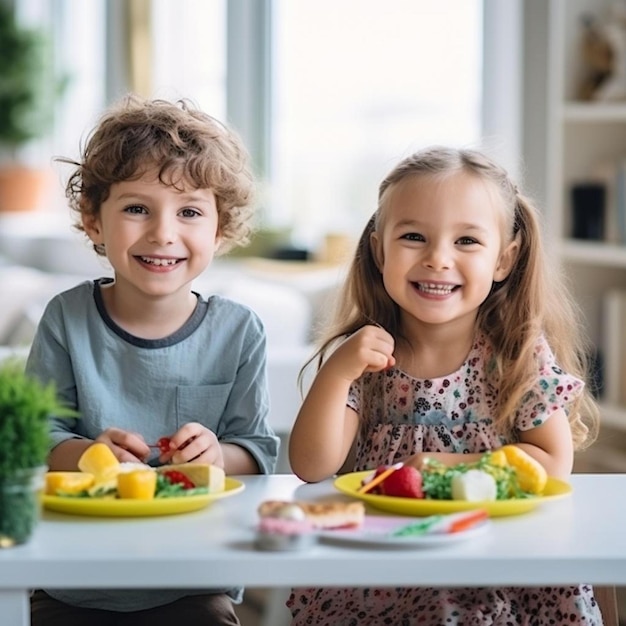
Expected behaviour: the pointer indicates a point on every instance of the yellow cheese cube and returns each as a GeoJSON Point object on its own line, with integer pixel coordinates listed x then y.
{"type": "Point", "coordinates": [67, 482]}
{"type": "Point", "coordinates": [138, 484]}
{"type": "Point", "coordinates": [98, 459]}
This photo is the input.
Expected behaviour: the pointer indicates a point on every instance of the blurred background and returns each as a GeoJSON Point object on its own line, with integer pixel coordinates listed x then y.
{"type": "Point", "coordinates": [327, 95]}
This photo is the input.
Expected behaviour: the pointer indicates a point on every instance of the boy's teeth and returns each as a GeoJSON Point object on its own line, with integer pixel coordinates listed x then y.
{"type": "Point", "coordinates": [147, 259]}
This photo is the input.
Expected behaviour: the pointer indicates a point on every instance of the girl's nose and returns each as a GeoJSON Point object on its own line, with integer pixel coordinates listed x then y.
{"type": "Point", "coordinates": [438, 257]}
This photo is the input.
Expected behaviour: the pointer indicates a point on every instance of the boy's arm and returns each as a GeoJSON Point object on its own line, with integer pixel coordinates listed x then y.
{"type": "Point", "coordinates": [238, 460]}
{"type": "Point", "coordinates": [249, 444]}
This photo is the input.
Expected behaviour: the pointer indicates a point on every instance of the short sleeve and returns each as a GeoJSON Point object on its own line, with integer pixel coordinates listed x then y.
{"type": "Point", "coordinates": [554, 390]}
{"type": "Point", "coordinates": [354, 396]}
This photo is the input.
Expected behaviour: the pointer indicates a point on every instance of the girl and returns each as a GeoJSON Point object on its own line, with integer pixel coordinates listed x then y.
{"type": "Point", "coordinates": [452, 338]}
{"type": "Point", "coordinates": [160, 189]}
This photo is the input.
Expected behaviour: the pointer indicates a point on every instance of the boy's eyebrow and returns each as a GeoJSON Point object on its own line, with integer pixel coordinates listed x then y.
{"type": "Point", "coordinates": [137, 195]}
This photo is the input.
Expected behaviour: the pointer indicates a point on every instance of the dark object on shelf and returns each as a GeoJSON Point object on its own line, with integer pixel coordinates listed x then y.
{"type": "Point", "coordinates": [588, 203]}
{"type": "Point", "coordinates": [596, 374]}
{"type": "Point", "coordinates": [291, 254]}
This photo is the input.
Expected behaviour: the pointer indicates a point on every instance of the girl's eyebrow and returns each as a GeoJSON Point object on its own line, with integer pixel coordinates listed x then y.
{"type": "Point", "coordinates": [407, 223]}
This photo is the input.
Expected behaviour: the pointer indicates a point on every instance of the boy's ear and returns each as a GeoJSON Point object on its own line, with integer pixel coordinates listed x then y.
{"type": "Point", "coordinates": [506, 261]}
{"type": "Point", "coordinates": [376, 246]}
{"type": "Point", "coordinates": [92, 226]}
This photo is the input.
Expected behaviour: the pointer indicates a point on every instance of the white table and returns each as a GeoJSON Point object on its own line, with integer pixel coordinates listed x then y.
{"type": "Point", "coordinates": [581, 538]}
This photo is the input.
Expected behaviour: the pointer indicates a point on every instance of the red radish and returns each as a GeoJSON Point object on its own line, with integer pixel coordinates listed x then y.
{"type": "Point", "coordinates": [405, 482]}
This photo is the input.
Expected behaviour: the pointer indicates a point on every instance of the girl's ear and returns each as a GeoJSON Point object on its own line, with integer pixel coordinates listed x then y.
{"type": "Point", "coordinates": [506, 261]}
{"type": "Point", "coordinates": [376, 246]}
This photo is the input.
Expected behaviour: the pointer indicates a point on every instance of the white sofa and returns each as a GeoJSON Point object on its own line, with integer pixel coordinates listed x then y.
{"type": "Point", "coordinates": [289, 304]}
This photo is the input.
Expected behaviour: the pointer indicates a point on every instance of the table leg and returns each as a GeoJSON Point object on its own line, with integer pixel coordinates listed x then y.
{"type": "Point", "coordinates": [15, 607]}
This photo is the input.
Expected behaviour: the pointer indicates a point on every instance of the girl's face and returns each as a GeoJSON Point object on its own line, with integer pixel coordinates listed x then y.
{"type": "Point", "coordinates": [441, 247]}
{"type": "Point", "coordinates": [157, 239]}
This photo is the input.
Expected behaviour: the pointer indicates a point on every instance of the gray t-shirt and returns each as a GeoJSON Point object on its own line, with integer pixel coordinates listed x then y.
{"type": "Point", "coordinates": [212, 370]}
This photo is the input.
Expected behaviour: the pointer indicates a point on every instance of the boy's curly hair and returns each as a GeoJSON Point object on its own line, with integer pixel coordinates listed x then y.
{"type": "Point", "coordinates": [186, 145]}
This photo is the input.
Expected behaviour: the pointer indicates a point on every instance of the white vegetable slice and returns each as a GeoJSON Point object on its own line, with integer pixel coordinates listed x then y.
{"type": "Point", "coordinates": [474, 486]}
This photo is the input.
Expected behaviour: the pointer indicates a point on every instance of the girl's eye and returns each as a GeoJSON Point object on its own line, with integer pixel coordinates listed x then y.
{"type": "Point", "coordinates": [189, 212]}
{"type": "Point", "coordinates": [413, 237]}
{"type": "Point", "coordinates": [466, 241]}
{"type": "Point", "coordinates": [135, 209]}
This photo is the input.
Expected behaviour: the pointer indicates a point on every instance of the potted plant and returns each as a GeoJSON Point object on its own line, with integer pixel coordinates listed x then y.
{"type": "Point", "coordinates": [25, 406]}
{"type": "Point", "coordinates": [29, 91]}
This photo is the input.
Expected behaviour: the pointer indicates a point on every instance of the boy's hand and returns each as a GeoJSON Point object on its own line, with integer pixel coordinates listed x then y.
{"type": "Point", "coordinates": [369, 349]}
{"type": "Point", "coordinates": [128, 447]}
{"type": "Point", "coordinates": [195, 442]}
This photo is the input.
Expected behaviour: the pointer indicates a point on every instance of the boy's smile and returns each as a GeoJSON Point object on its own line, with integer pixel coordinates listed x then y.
{"type": "Point", "coordinates": [157, 238]}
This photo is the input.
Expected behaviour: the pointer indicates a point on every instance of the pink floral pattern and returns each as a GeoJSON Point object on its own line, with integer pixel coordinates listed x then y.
{"type": "Point", "coordinates": [404, 415]}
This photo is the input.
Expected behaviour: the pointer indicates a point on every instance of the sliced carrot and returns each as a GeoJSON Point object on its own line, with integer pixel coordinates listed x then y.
{"type": "Point", "coordinates": [467, 520]}
{"type": "Point", "coordinates": [379, 479]}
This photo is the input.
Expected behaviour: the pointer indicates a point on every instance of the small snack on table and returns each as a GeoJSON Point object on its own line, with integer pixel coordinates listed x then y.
{"type": "Point", "coordinates": [323, 515]}
{"type": "Point", "coordinates": [284, 528]}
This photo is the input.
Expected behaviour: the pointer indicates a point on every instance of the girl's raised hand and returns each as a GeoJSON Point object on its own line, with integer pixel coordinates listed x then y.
{"type": "Point", "coordinates": [369, 349]}
{"type": "Point", "coordinates": [195, 442]}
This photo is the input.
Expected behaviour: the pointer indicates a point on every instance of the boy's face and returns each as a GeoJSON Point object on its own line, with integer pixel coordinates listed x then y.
{"type": "Point", "coordinates": [157, 239]}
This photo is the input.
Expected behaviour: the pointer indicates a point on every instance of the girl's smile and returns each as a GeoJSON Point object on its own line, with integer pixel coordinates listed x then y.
{"type": "Point", "coordinates": [441, 242]}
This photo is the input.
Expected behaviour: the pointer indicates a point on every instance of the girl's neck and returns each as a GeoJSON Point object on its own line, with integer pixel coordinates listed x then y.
{"type": "Point", "coordinates": [144, 317]}
{"type": "Point", "coordinates": [434, 351]}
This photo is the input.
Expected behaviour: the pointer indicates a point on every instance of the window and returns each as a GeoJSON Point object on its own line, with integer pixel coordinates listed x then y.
{"type": "Point", "coordinates": [359, 84]}
{"type": "Point", "coordinates": [327, 95]}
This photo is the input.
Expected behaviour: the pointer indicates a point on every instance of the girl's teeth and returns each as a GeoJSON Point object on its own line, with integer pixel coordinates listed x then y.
{"type": "Point", "coordinates": [151, 261]}
{"type": "Point", "coordinates": [440, 290]}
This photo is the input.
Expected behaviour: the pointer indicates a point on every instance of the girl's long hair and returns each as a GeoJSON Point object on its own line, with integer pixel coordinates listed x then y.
{"type": "Point", "coordinates": [533, 301]}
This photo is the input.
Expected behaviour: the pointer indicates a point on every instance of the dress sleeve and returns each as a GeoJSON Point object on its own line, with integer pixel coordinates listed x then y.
{"type": "Point", "coordinates": [555, 389]}
{"type": "Point", "coordinates": [354, 396]}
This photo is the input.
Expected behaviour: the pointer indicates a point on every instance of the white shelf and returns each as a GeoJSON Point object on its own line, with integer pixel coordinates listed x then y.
{"type": "Point", "coordinates": [582, 139]}
{"type": "Point", "coordinates": [594, 253]}
{"type": "Point", "coordinates": [595, 112]}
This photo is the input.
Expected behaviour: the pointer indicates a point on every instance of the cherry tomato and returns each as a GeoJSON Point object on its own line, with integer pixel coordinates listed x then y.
{"type": "Point", "coordinates": [164, 444]}
{"type": "Point", "coordinates": [176, 477]}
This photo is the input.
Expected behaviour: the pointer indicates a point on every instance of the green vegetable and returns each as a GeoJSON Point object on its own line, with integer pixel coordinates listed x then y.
{"type": "Point", "coordinates": [437, 478]}
{"type": "Point", "coordinates": [166, 489]}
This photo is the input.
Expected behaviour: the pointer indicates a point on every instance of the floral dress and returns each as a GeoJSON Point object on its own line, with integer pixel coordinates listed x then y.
{"type": "Point", "coordinates": [403, 415]}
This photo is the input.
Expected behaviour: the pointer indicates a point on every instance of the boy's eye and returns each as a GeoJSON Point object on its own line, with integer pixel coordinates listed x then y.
{"type": "Point", "coordinates": [189, 212]}
{"type": "Point", "coordinates": [135, 209]}
{"type": "Point", "coordinates": [467, 240]}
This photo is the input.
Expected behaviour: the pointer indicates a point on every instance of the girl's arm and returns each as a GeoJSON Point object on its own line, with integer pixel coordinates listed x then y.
{"type": "Point", "coordinates": [550, 444]}
{"type": "Point", "coordinates": [325, 427]}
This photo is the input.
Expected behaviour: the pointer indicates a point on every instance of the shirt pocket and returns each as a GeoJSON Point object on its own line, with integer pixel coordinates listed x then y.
{"type": "Point", "coordinates": [202, 403]}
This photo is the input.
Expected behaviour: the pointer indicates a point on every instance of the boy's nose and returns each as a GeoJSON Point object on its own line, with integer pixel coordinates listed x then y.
{"type": "Point", "coordinates": [162, 230]}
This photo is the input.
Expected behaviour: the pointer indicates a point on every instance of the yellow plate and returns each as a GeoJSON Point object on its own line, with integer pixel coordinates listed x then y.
{"type": "Point", "coordinates": [111, 507]}
{"type": "Point", "coordinates": [350, 483]}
